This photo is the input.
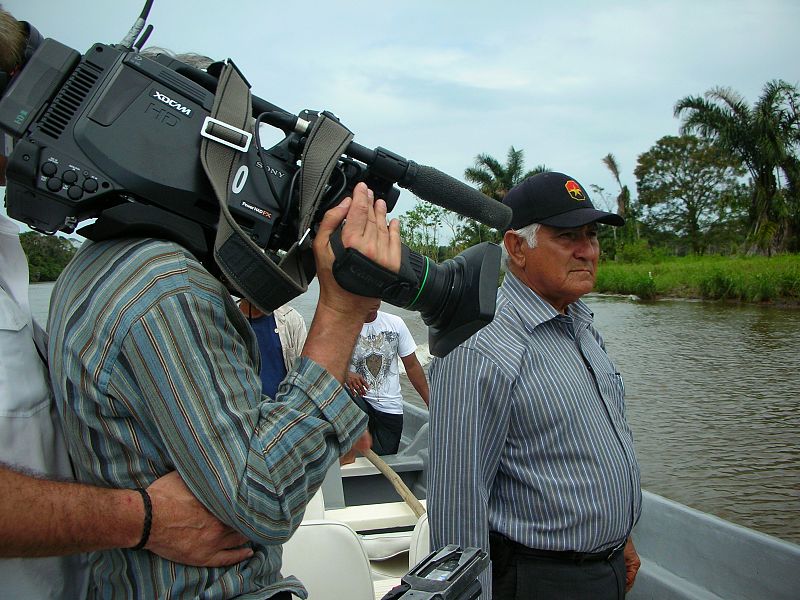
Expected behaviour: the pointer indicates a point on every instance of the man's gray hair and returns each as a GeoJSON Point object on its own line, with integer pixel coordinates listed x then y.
{"type": "Point", "coordinates": [198, 61]}
{"type": "Point", "coordinates": [527, 233]}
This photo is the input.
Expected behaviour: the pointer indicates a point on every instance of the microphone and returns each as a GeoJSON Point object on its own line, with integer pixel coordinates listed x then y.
{"type": "Point", "coordinates": [441, 189]}
{"type": "Point", "coordinates": [433, 186]}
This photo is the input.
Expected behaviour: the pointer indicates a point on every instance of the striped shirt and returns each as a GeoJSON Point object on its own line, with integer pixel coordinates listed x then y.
{"type": "Point", "coordinates": [528, 436]}
{"type": "Point", "coordinates": [155, 369]}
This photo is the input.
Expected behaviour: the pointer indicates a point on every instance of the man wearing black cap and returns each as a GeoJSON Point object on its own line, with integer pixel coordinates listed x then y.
{"type": "Point", "coordinates": [531, 456]}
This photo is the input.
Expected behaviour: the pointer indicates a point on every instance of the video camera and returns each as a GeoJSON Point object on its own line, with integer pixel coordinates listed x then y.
{"type": "Point", "coordinates": [114, 136]}
{"type": "Point", "coordinates": [450, 573]}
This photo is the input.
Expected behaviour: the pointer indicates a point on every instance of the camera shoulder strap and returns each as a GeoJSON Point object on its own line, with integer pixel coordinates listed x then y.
{"type": "Point", "coordinates": [226, 136]}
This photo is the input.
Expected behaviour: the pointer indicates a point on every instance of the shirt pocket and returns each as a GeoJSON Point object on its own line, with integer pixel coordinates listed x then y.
{"type": "Point", "coordinates": [23, 378]}
{"type": "Point", "coordinates": [612, 389]}
{"type": "Point", "coordinates": [12, 318]}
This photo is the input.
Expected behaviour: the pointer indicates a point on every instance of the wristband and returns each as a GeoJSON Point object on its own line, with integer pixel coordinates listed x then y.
{"type": "Point", "coordinates": [148, 519]}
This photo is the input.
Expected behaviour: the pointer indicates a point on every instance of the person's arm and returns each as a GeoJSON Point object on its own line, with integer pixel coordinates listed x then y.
{"type": "Point", "coordinates": [632, 564]}
{"type": "Point", "coordinates": [468, 429]}
{"type": "Point", "coordinates": [416, 375]}
{"type": "Point", "coordinates": [40, 517]}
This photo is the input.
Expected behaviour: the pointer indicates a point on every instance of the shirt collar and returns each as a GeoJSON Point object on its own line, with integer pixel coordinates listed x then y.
{"type": "Point", "coordinates": [533, 310]}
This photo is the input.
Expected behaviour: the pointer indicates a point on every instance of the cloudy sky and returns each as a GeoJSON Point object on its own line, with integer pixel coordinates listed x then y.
{"type": "Point", "coordinates": [442, 81]}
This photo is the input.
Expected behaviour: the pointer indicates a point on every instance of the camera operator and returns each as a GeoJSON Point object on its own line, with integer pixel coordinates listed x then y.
{"type": "Point", "coordinates": [156, 369]}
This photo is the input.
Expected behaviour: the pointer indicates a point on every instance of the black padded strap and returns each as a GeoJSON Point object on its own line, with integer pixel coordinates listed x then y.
{"type": "Point", "coordinates": [258, 278]}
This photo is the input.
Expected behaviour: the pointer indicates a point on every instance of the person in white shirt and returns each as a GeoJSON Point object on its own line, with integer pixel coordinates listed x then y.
{"type": "Point", "coordinates": [374, 377]}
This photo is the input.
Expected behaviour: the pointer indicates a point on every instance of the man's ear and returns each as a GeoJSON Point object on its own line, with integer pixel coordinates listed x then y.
{"type": "Point", "coordinates": [514, 247]}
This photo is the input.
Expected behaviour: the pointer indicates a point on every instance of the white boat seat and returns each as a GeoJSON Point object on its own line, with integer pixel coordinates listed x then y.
{"type": "Point", "coordinates": [383, 546]}
{"type": "Point", "coordinates": [386, 515]}
{"type": "Point", "coordinates": [420, 545]}
{"type": "Point", "coordinates": [328, 558]}
{"type": "Point", "coordinates": [316, 507]}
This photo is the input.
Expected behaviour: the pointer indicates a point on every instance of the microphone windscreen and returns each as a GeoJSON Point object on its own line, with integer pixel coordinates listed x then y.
{"type": "Point", "coordinates": [443, 190]}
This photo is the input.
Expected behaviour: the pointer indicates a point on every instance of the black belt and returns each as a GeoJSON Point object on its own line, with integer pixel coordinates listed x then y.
{"type": "Point", "coordinates": [559, 555]}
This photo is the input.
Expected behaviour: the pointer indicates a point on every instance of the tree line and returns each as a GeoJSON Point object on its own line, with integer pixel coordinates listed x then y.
{"type": "Point", "coordinates": [728, 184]}
{"type": "Point", "coordinates": [47, 255]}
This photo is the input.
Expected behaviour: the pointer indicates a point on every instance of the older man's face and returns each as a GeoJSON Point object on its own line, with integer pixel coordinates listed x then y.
{"type": "Point", "coordinates": [563, 266]}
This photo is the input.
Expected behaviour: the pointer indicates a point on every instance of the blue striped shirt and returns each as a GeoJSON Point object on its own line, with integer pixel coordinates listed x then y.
{"type": "Point", "coordinates": [528, 435]}
{"type": "Point", "coordinates": [156, 369]}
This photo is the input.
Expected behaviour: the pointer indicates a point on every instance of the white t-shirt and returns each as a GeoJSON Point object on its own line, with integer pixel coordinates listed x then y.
{"type": "Point", "coordinates": [375, 359]}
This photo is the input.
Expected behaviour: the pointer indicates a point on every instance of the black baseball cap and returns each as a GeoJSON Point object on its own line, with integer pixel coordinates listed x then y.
{"type": "Point", "coordinates": [554, 199]}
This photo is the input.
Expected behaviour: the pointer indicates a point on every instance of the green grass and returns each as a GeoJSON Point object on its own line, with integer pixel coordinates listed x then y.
{"type": "Point", "coordinates": [744, 279]}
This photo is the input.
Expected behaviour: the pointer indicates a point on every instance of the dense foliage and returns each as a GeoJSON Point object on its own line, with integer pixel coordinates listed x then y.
{"type": "Point", "coordinates": [739, 278]}
{"type": "Point", "coordinates": [765, 138]}
{"type": "Point", "coordinates": [47, 255]}
{"type": "Point", "coordinates": [690, 186]}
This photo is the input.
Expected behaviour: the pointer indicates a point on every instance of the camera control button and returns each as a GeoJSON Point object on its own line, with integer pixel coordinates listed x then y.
{"type": "Point", "coordinates": [49, 169]}
{"type": "Point", "coordinates": [54, 184]}
{"type": "Point", "coordinates": [90, 185]}
{"type": "Point", "coordinates": [75, 192]}
{"type": "Point", "coordinates": [69, 176]}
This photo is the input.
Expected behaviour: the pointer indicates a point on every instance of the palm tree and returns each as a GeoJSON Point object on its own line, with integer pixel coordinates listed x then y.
{"type": "Point", "coordinates": [766, 138]}
{"type": "Point", "coordinates": [624, 197]}
{"type": "Point", "coordinates": [494, 179]}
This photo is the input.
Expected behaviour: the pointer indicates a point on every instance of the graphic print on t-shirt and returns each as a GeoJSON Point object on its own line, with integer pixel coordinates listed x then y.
{"type": "Point", "coordinates": [374, 357]}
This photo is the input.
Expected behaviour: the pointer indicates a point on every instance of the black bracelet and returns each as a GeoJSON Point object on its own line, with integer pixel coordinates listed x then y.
{"type": "Point", "coordinates": [148, 519]}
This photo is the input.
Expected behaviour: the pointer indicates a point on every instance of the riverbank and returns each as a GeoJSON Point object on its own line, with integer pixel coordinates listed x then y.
{"type": "Point", "coordinates": [743, 279]}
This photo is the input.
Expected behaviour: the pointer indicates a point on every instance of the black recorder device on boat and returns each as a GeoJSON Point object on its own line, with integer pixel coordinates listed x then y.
{"type": "Point", "coordinates": [447, 574]}
{"type": "Point", "coordinates": [115, 136]}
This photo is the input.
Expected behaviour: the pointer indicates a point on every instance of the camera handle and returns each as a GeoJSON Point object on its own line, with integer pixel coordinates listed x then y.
{"type": "Point", "coordinates": [359, 275]}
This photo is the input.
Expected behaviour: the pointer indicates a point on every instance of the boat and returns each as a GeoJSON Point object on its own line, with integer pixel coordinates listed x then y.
{"type": "Point", "coordinates": [686, 554]}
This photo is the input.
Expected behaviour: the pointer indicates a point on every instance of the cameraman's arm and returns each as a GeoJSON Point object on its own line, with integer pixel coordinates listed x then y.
{"type": "Point", "coordinates": [187, 368]}
{"type": "Point", "coordinates": [340, 314]}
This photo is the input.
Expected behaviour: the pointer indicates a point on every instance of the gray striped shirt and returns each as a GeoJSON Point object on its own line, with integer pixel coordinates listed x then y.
{"type": "Point", "coordinates": [528, 436]}
{"type": "Point", "coordinates": [156, 369]}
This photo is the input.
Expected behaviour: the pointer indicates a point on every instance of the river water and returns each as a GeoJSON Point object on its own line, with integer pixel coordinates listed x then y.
{"type": "Point", "coordinates": [713, 398]}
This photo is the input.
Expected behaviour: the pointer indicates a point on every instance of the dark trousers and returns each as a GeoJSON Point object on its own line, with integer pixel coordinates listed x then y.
{"type": "Point", "coordinates": [518, 574]}
{"type": "Point", "coordinates": [386, 429]}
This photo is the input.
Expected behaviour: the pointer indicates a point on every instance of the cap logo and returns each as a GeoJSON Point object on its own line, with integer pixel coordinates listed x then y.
{"type": "Point", "coordinates": [575, 190]}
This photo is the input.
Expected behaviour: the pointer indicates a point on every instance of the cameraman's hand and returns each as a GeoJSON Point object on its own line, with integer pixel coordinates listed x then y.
{"type": "Point", "coordinates": [364, 230]}
{"type": "Point", "coordinates": [341, 314]}
{"type": "Point", "coordinates": [362, 444]}
{"type": "Point", "coordinates": [184, 531]}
